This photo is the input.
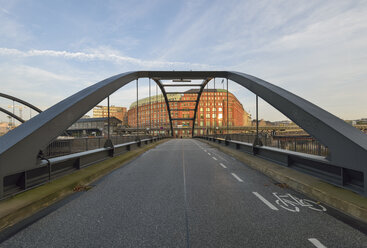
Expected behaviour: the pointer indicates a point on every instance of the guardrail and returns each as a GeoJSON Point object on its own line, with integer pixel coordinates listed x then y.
{"type": "Point", "coordinates": [314, 165]}
{"type": "Point", "coordinates": [52, 168]}
{"type": "Point", "coordinates": [296, 143]}
{"type": "Point", "coordinates": [61, 147]}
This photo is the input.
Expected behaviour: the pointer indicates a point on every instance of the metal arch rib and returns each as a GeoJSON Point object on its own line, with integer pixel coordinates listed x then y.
{"type": "Point", "coordinates": [160, 85]}
{"type": "Point", "coordinates": [20, 101]}
{"type": "Point", "coordinates": [12, 115]}
{"type": "Point", "coordinates": [347, 144]}
{"type": "Point", "coordinates": [202, 87]}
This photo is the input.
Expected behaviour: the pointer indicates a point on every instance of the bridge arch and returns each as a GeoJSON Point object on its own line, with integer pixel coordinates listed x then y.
{"type": "Point", "coordinates": [12, 115]}
{"type": "Point", "coordinates": [20, 101]}
{"type": "Point", "coordinates": [348, 145]}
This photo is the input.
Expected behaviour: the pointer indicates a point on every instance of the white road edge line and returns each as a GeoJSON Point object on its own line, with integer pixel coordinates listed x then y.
{"type": "Point", "coordinates": [215, 158]}
{"type": "Point", "coordinates": [316, 243]}
{"type": "Point", "coordinates": [223, 165]}
{"type": "Point", "coordinates": [237, 177]}
{"type": "Point", "coordinates": [271, 206]}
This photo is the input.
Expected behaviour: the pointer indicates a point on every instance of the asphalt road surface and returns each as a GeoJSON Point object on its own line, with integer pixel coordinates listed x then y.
{"type": "Point", "coordinates": [184, 193]}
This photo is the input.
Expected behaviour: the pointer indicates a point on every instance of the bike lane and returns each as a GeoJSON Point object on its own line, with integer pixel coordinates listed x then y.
{"type": "Point", "coordinates": [281, 215]}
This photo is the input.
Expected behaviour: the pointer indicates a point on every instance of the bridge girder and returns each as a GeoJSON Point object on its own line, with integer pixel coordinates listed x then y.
{"type": "Point", "coordinates": [348, 145]}
{"type": "Point", "coordinates": [160, 85]}
{"type": "Point", "coordinates": [202, 87]}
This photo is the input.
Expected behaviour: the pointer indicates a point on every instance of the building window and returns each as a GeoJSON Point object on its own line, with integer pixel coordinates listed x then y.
{"type": "Point", "coordinates": [220, 109]}
{"type": "Point", "coordinates": [214, 109]}
{"type": "Point", "coordinates": [207, 115]}
{"type": "Point", "coordinates": [214, 115]}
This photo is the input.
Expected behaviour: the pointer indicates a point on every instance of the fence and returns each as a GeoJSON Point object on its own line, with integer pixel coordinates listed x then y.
{"type": "Point", "coordinates": [300, 143]}
{"type": "Point", "coordinates": [317, 166]}
{"type": "Point", "coordinates": [51, 168]}
{"type": "Point", "coordinates": [62, 147]}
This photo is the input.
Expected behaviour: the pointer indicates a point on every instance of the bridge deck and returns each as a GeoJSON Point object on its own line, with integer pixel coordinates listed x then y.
{"type": "Point", "coordinates": [185, 194]}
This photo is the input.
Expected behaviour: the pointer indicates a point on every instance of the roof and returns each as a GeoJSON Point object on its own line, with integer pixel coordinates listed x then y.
{"type": "Point", "coordinates": [157, 98]}
{"type": "Point", "coordinates": [102, 119]}
{"type": "Point", "coordinates": [206, 90]}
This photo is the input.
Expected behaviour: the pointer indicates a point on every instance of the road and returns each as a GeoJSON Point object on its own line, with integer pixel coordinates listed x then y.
{"type": "Point", "coordinates": [183, 193]}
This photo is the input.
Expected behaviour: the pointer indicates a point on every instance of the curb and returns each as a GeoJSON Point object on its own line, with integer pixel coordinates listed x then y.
{"type": "Point", "coordinates": [348, 202]}
{"type": "Point", "coordinates": [23, 205]}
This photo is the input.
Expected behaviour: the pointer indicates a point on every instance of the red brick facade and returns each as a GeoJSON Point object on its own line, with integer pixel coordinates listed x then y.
{"type": "Point", "coordinates": [211, 113]}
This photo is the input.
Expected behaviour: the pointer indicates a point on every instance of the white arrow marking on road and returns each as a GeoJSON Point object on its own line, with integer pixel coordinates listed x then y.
{"type": "Point", "coordinates": [316, 243]}
{"type": "Point", "coordinates": [265, 201]}
{"type": "Point", "coordinates": [237, 177]}
{"type": "Point", "coordinates": [223, 165]}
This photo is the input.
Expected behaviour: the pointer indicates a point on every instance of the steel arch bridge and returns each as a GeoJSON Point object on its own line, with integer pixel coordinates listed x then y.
{"type": "Point", "coordinates": [15, 99]}
{"type": "Point", "coordinates": [347, 145]}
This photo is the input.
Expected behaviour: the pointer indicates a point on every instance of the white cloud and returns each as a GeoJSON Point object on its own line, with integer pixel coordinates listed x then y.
{"type": "Point", "coordinates": [102, 54]}
{"type": "Point", "coordinates": [316, 49]}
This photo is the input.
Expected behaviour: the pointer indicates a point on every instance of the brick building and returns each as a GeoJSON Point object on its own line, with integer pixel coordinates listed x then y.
{"type": "Point", "coordinates": [211, 114]}
{"type": "Point", "coordinates": [4, 128]}
{"type": "Point", "coordinates": [117, 112]}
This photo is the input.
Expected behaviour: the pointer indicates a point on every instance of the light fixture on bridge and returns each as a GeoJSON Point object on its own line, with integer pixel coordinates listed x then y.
{"type": "Point", "coordinates": [181, 80]}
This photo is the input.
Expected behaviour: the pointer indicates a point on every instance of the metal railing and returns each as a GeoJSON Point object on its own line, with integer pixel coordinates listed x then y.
{"type": "Point", "coordinates": [301, 143]}
{"type": "Point", "coordinates": [61, 147]}
{"type": "Point", "coordinates": [314, 165]}
{"type": "Point", "coordinates": [51, 168]}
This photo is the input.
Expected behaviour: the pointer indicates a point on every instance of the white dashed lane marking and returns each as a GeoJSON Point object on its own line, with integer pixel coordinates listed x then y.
{"type": "Point", "coordinates": [237, 177]}
{"type": "Point", "coordinates": [316, 243]}
{"type": "Point", "coordinates": [223, 165]}
{"type": "Point", "coordinates": [265, 201]}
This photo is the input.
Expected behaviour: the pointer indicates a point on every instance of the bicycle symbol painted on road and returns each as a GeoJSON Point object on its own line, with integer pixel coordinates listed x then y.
{"type": "Point", "coordinates": [292, 203]}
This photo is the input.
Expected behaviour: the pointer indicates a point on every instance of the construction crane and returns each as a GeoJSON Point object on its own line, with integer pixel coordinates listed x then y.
{"type": "Point", "coordinates": [20, 108]}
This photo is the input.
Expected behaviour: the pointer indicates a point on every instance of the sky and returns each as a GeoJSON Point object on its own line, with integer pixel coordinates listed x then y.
{"type": "Point", "coordinates": [50, 50]}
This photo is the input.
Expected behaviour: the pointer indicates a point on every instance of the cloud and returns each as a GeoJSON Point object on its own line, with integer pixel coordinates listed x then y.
{"type": "Point", "coordinates": [102, 54]}
{"type": "Point", "coordinates": [4, 11]}
{"type": "Point", "coordinates": [315, 49]}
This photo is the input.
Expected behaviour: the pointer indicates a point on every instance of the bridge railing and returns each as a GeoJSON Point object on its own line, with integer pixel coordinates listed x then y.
{"type": "Point", "coordinates": [60, 147]}
{"type": "Point", "coordinates": [314, 165]}
{"type": "Point", "coordinates": [297, 143]}
{"type": "Point", "coordinates": [51, 168]}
